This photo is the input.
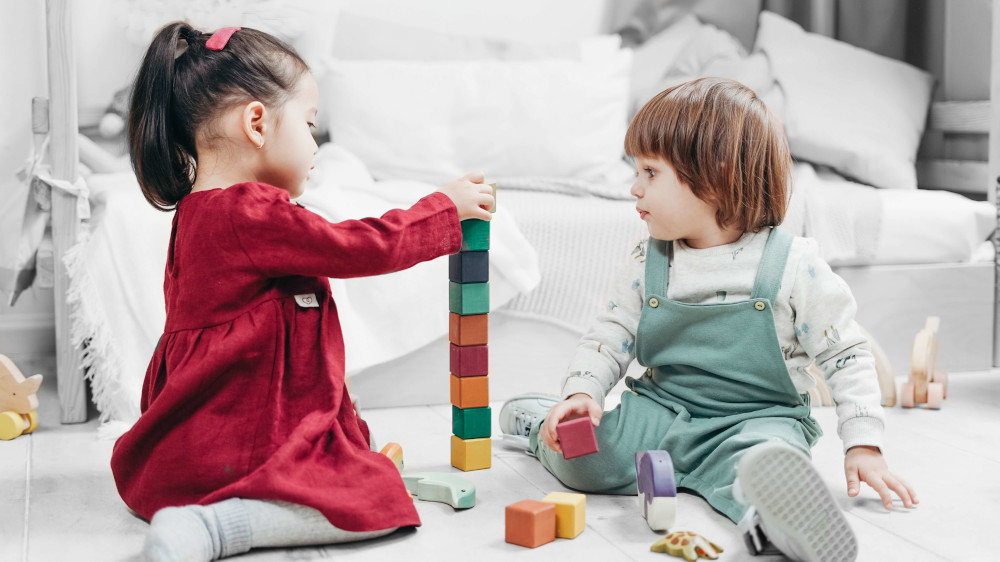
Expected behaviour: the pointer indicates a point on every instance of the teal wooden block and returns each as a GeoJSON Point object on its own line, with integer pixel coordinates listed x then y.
{"type": "Point", "coordinates": [470, 423]}
{"type": "Point", "coordinates": [475, 235]}
{"type": "Point", "coordinates": [469, 298]}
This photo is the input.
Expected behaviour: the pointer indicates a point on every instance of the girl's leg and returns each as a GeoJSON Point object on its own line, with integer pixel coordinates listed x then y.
{"type": "Point", "coordinates": [234, 526]}
{"type": "Point", "coordinates": [278, 524]}
{"type": "Point", "coordinates": [637, 424]}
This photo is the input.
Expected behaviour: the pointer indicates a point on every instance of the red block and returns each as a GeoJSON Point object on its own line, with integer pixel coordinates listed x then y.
{"type": "Point", "coordinates": [470, 360]}
{"type": "Point", "coordinates": [576, 437]}
{"type": "Point", "coordinates": [530, 523]}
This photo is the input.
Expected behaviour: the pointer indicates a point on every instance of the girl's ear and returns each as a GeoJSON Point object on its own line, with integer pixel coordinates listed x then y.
{"type": "Point", "coordinates": [252, 122]}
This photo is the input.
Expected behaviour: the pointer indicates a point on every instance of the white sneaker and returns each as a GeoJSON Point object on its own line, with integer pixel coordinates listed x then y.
{"type": "Point", "coordinates": [519, 414]}
{"type": "Point", "coordinates": [792, 505]}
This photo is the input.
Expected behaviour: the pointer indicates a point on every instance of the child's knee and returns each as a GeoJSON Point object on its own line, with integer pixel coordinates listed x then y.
{"type": "Point", "coordinates": [607, 471]}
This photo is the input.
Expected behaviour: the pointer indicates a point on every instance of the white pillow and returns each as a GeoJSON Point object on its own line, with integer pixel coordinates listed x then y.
{"type": "Point", "coordinates": [359, 37]}
{"type": "Point", "coordinates": [860, 113]}
{"type": "Point", "coordinates": [435, 121]}
{"type": "Point", "coordinates": [654, 57]}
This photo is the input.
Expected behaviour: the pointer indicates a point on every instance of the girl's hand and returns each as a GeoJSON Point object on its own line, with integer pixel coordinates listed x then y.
{"type": "Point", "coordinates": [575, 406]}
{"type": "Point", "coordinates": [471, 196]}
{"type": "Point", "coordinates": [866, 464]}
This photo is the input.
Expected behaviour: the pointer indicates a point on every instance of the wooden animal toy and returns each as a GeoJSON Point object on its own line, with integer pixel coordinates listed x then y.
{"type": "Point", "coordinates": [926, 384]}
{"type": "Point", "coordinates": [18, 400]}
{"type": "Point", "coordinates": [654, 472]}
{"type": "Point", "coordinates": [441, 487]}
{"type": "Point", "coordinates": [530, 523]}
{"type": "Point", "coordinates": [576, 437]}
{"type": "Point", "coordinates": [687, 545]}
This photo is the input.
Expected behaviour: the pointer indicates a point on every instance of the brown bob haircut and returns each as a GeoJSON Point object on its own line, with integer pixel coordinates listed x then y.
{"type": "Point", "coordinates": [724, 143]}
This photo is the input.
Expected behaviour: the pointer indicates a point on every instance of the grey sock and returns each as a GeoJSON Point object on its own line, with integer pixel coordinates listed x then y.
{"type": "Point", "coordinates": [198, 533]}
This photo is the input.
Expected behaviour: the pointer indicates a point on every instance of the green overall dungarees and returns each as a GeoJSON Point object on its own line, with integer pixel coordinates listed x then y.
{"type": "Point", "coordinates": [716, 384]}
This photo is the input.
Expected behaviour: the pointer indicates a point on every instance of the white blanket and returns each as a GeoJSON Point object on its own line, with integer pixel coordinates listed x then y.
{"type": "Point", "coordinates": [116, 286]}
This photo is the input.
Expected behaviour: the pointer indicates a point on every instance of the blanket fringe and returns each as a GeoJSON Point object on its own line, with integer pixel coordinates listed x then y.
{"type": "Point", "coordinates": [100, 360]}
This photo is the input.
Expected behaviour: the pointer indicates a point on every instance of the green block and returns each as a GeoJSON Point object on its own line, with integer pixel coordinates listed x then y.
{"type": "Point", "coordinates": [475, 235]}
{"type": "Point", "coordinates": [470, 423]}
{"type": "Point", "coordinates": [469, 298]}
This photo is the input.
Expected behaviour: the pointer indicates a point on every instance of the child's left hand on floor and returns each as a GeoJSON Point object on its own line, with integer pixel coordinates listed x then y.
{"type": "Point", "coordinates": [866, 464]}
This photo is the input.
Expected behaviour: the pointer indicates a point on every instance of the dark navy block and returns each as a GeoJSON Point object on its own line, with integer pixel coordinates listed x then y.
{"type": "Point", "coordinates": [469, 267]}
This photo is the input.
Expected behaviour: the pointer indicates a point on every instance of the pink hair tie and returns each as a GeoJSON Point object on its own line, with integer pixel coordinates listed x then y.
{"type": "Point", "coordinates": [219, 39]}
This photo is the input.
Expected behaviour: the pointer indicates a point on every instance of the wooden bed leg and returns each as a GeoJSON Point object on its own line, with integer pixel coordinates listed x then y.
{"type": "Point", "coordinates": [63, 128]}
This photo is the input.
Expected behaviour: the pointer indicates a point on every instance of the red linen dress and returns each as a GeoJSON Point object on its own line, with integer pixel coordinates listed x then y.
{"type": "Point", "coordinates": [244, 395]}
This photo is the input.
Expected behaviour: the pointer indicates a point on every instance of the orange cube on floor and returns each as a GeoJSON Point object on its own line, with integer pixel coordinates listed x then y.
{"type": "Point", "coordinates": [530, 523]}
{"type": "Point", "coordinates": [470, 392]}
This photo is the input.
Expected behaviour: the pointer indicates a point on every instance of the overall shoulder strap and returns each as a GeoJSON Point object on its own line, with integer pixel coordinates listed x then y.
{"type": "Point", "coordinates": [772, 265]}
{"type": "Point", "coordinates": [657, 264]}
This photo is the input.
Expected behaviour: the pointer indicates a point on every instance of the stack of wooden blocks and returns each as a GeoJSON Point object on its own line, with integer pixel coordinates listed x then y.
{"type": "Point", "coordinates": [468, 336]}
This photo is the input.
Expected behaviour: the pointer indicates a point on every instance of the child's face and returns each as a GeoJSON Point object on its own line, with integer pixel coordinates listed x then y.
{"type": "Point", "coordinates": [669, 208]}
{"type": "Point", "coordinates": [291, 151]}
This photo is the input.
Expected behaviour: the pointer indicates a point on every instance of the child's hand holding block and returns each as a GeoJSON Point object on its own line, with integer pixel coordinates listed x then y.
{"type": "Point", "coordinates": [576, 437]}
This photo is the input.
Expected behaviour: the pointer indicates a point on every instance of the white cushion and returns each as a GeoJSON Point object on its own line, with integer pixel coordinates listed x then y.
{"type": "Point", "coordinates": [360, 37]}
{"type": "Point", "coordinates": [860, 113]}
{"type": "Point", "coordinates": [435, 121]}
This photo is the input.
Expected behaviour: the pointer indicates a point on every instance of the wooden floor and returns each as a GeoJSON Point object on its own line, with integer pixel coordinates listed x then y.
{"type": "Point", "coordinates": [59, 501]}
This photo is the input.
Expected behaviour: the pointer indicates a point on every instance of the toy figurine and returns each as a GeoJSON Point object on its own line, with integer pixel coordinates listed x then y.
{"type": "Point", "coordinates": [18, 400]}
{"type": "Point", "coordinates": [687, 545]}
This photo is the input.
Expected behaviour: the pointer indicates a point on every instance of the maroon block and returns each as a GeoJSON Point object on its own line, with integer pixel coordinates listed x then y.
{"type": "Point", "coordinates": [470, 360]}
{"type": "Point", "coordinates": [576, 437]}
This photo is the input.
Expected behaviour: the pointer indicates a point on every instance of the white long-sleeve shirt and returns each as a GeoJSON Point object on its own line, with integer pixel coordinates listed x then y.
{"type": "Point", "coordinates": [813, 316]}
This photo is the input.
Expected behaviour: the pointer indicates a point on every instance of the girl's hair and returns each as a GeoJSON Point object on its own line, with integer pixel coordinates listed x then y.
{"type": "Point", "coordinates": [182, 87]}
{"type": "Point", "coordinates": [724, 143]}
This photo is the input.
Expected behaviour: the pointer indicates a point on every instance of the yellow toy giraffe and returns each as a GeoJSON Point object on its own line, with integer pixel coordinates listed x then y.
{"type": "Point", "coordinates": [18, 400]}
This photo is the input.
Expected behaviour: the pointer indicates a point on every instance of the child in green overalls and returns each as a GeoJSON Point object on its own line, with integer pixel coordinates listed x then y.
{"type": "Point", "coordinates": [726, 312]}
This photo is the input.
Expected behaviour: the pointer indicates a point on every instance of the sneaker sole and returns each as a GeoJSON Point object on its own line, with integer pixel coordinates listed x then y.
{"type": "Point", "coordinates": [791, 498]}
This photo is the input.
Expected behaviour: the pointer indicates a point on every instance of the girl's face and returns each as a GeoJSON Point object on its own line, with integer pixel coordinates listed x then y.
{"type": "Point", "coordinates": [290, 152]}
{"type": "Point", "coordinates": [669, 208]}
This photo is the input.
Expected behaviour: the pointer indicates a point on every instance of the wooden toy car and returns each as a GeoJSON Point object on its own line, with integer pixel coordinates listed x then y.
{"type": "Point", "coordinates": [926, 384]}
{"type": "Point", "coordinates": [18, 400]}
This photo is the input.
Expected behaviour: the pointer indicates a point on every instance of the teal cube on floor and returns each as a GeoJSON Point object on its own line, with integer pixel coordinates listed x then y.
{"type": "Point", "coordinates": [475, 235]}
{"type": "Point", "coordinates": [469, 298]}
{"type": "Point", "coordinates": [470, 423]}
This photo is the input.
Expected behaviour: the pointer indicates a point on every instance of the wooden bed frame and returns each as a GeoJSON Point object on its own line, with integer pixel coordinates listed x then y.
{"type": "Point", "coordinates": [893, 300]}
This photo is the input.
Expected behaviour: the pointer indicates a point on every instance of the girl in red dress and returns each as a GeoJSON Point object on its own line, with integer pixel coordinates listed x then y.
{"type": "Point", "coordinates": [247, 436]}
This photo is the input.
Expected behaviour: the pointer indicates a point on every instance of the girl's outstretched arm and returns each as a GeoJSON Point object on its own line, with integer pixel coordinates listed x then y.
{"type": "Point", "coordinates": [280, 238]}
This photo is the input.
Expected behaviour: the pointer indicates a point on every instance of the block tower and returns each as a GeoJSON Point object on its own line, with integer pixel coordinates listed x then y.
{"type": "Point", "coordinates": [468, 336]}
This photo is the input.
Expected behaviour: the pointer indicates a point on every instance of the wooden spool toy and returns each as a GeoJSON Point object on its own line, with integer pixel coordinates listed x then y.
{"type": "Point", "coordinates": [926, 384]}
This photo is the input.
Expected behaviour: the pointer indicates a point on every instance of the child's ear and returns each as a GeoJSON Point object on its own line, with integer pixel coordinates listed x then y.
{"type": "Point", "coordinates": [252, 122]}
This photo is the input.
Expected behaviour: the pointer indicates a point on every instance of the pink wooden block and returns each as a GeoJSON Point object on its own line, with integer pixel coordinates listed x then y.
{"type": "Point", "coordinates": [470, 360]}
{"type": "Point", "coordinates": [577, 437]}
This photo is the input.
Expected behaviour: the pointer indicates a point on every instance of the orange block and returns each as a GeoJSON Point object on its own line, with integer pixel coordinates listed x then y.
{"type": "Point", "coordinates": [470, 392]}
{"type": "Point", "coordinates": [530, 523]}
{"type": "Point", "coordinates": [468, 329]}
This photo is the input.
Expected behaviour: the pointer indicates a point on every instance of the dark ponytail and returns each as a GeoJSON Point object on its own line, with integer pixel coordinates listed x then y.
{"type": "Point", "coordinates": [182, 87]}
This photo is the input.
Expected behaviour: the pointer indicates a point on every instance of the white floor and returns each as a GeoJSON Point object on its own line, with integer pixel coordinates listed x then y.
{"type": "Point", "coordinates": [59, 501]}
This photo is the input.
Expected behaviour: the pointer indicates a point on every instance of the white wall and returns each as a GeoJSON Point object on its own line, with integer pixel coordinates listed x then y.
{"type": "Point", "coordinates": [29, 327]}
